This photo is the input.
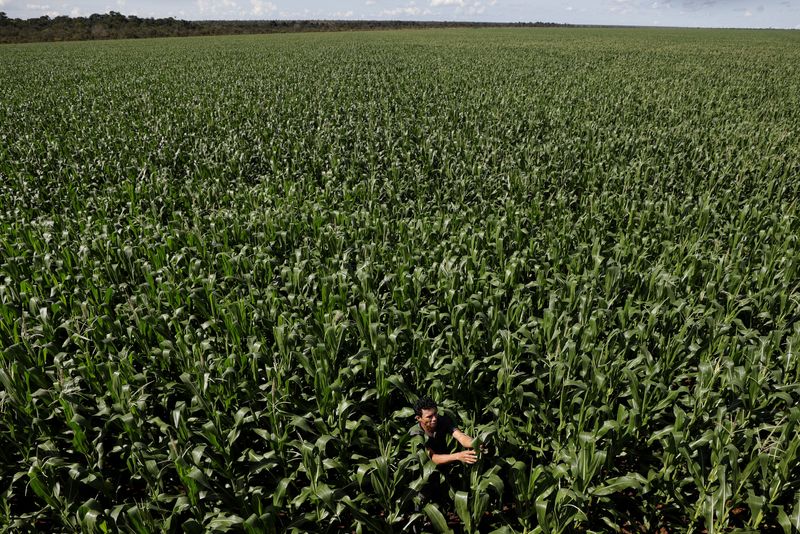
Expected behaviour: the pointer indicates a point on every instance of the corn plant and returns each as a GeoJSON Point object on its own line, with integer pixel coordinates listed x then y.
{"type": "Point", "coordinates": [229, 268]}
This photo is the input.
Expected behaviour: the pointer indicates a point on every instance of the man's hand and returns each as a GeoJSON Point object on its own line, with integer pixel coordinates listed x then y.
{"type": "Point", "coordinates": [468, 456]}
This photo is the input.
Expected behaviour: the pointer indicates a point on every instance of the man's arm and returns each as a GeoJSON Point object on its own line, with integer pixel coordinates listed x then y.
{"type": "Point", "coordinates": [462, 438]}
{"type": "Point", "coordinates": [467, 456]}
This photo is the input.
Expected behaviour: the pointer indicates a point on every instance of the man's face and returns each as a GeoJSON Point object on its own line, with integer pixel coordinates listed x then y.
{"type": "Point", "coordinates": [428, 419]}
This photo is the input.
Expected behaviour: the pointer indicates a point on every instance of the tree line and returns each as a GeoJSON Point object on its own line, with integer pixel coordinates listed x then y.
{"type": "Point", "coordinates": [114, 25]}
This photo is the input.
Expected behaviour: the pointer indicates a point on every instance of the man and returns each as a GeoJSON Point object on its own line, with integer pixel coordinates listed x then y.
{"type": "Point", "coordinates": [435, 428]}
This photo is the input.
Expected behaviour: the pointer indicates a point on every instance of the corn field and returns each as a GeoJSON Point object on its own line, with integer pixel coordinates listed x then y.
{"type": "Point", "coordinates": [229, 265]}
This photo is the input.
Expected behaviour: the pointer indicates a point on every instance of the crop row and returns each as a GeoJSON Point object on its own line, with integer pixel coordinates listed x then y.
{"type": "Point", "coordinates": [229, 267]}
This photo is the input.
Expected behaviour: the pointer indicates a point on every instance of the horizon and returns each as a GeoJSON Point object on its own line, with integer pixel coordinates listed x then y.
{"type": "Point", "coordinates": [733, 14]}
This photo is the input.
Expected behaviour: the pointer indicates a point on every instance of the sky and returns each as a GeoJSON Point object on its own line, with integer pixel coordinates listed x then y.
{"type": "Point", "coordinates": [691, 13]}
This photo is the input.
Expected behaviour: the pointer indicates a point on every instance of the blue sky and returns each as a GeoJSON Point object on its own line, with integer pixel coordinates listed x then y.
{"type": "Point", "coordinates": [710, 13]}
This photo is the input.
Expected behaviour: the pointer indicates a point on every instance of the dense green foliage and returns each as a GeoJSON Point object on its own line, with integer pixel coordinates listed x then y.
{"type": "Point", "coordinates": [229, 265]}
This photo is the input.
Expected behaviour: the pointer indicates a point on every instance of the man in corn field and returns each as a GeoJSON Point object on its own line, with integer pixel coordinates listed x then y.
{"type": "Point", "coordinates": [434, 429]}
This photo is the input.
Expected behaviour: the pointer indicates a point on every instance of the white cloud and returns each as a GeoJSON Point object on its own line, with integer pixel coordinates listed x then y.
{"type": "Point", "coordinates": [75, 12]}
{"type": "Point", "coordinates": [261, 8]}
{"type": "Point", "coordinates": [370, 2]}
{"type": "Point", "coordinates": [305, 13]}
{"type": "Point", "coordinates": [215, 6]}
{"type": "Point", "coordinates": [621, 7]}
{"type": "Point", "coordinates": [475, 9]}
{"type": "Point", "coordinates": [748, 13]}
{"type": "Point", "coordinates": [43, 9]}
{"type": "Point", "coordinates": [411, 11]}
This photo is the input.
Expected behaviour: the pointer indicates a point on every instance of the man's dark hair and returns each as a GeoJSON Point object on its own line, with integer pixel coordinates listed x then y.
{"type": "Point", "coordinates": [424, 403]}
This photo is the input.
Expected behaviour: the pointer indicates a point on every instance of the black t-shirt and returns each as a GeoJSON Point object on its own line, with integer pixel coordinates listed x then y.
{"type": "Point", "coordinates": [438, 441]}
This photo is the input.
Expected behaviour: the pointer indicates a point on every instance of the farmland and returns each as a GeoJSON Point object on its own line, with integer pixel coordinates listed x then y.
{"type": "Point", "coordinates": [229, 265]}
